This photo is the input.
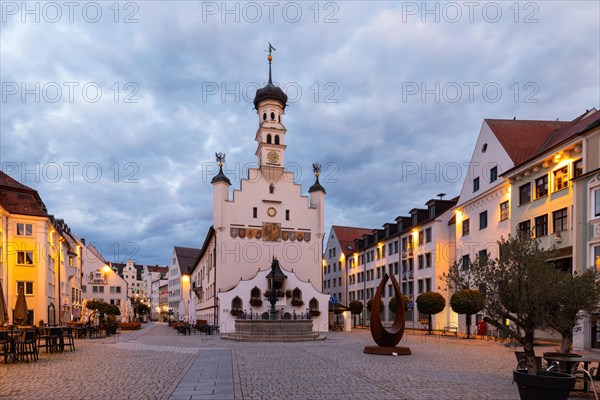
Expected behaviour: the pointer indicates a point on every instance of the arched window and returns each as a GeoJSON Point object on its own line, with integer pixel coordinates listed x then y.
{"type": "Point", "coordinates": [255, 293]}
{"type": "Point", "coordinates": [297, 294]}
{"type": "Point", "coordinates": [264, 116]}
{"type": "Point", "coordinates": [272, 116]}
{"type": "Point", "coordinates": [278, 118]}
{"type": "Point", "coordinates": [313, 304]}
{"type": "Point", "coordinates": [269, 138]}
{"type": "Point", "coordinates": [271, 188]}
{"type": "Point", "coordinates": [236, 305]}
{"type": "Point", "coordinates": [276, 139]}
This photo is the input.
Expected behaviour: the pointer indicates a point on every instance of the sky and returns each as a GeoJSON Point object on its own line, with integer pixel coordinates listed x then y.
{"type": "Point", "coordinates": [113, 111]}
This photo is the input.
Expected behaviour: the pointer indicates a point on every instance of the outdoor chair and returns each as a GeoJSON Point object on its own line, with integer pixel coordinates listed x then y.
{"type": "Point", "coordinates": [68, 338]}
{"type": "Point", "coordinates": [4, 346]}
{"type": "Point", "coordinates": [26, 347]}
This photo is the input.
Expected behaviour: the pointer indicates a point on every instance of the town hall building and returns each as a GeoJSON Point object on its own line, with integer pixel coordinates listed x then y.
{"type": "Point", "coordinates": [267, 220]}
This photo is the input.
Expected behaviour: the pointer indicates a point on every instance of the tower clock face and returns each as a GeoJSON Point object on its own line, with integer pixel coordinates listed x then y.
{"type": "Point", "coordinates": [273, 157]}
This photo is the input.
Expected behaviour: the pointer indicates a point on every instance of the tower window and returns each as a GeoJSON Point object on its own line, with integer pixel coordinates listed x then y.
{"type": "Point", "coordinates": [271, 188]}
{"type": "Point", "coordinates": [254, 212]}
{"type": "Point", "coordinates": [272, 116]}
{"type": "Point", "coordinates": [278, 118]}
{"type": "Point", "coordinates": [276, 139]}
{"type": "Point", "coordinates": [287, 215]}
{"type": "Point", "coordinates": [264, 116]}
{"type": "Point", "coordinates": [269, 138]}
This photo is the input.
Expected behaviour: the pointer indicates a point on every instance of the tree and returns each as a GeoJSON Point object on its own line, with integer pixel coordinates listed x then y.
{"type": "Point", "coordinates": [574, 292]}
{"type": "Point", "coordinates": [393, 304]}
{"type": "Point", "coordinates": [430, 303]}
{"type": "Point", "coordinates": [356, 307]}
{"type": "Point", "coordinates": [140, 308]}
{"type": "Point", "coordinates": [521, 286]}
{"type": "Point", "coordinates": [468, 302]}
{"type": "Point", "coordinates": [370, 305]}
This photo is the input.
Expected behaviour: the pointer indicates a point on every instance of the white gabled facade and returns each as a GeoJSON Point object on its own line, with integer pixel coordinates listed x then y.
{"type": "Point", "coordinates": [267, 217]}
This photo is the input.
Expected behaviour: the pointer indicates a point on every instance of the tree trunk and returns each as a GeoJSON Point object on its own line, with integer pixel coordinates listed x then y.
{"type": "Point", "coordinates": [566, 344]}
{"type": "Point", "coordinates": [429, 323]}
{"type": "Point", "coordinates": [530, 353]}
{"type": "Point", "coordinates": [468, 326]}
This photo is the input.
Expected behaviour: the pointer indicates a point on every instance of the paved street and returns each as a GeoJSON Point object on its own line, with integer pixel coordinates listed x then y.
{"type": "Point", "coordinates": [157, 363]}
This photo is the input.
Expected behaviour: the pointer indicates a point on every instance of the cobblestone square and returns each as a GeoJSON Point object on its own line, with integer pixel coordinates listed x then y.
{"type": "Point", "coordinates": [157, 363]}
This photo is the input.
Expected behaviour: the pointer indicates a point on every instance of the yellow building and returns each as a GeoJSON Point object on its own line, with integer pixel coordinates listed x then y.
{"type": "Point", "coordinates": [39, 254]}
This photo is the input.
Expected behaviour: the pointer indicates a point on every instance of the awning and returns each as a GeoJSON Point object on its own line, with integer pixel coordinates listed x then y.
{"type": "Point", "coordinates": [564, 252]}
{"type": "Point", "coordinates": [338, 308]}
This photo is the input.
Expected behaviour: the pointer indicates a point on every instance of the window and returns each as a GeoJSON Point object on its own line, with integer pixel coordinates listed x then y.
{"type": "Point", "coordinates": [25, 257]}
{"type": "Point", "coordinates": [483, 257]}
{"type": "Point", "coordinates": [524, 193]}
{"type": "Point", "coordinates": [26, 286]}
{"type": "Point", "coordinates": [421, 262]}
{"type": "Point", "coordinates": [83, 289]}
{"type": "Point", "coordinates": [428, 285]}
{"type": "Point", "coordinates": [112, 290]}
{"type": "Point", "coordinates": [428, 260]}
{"type": "Point", "coordinates": [420, 283]}
{"type": "Point", "coordinates": [483, 220]}
{"type": "Point", "coordinates": [476, 184]}
{"type": "Point", "coordinates": [118, 289]}
{"type": "Point", "coordinates": [465, 262]}
{"type": "Point", "coordinates": [541, 186]}
{"type": "Point", "coordinates": [577, 168]}
{"type": "Point", "coordinates": [465, 227]}
{"type": "Point", "coordinates": [504, 211]}
{"type": "Point", "coordinates": [541, 225]}
{"type": "Point", "coordinates": [269, 135]}
{"type": "Point", "coordinates": [597, 203]}
{"type": "Point", "coordinates": [561, 178]}
{"type": "Point", "coordinates": [559, 220]}
{"type": "Point", "coordinates": [24, 229]}
{"type": "Point", "coordinates": [427, 235]}
{"type": "Point", "coordinates": [254, 212]}
{"type": "Point", "coordinates": [493, 173]}
{"type": "Point", "coordinates": [524, 227]}
{"type": "Point", "coordinates": [596, 256]}
{"type": "Point", "coordinates": [276, 139]}
{"type": "Point", "coordinates": [420, 238]}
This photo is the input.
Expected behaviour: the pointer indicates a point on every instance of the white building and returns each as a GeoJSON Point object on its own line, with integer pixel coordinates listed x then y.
{"type": "Point", "coordinates": [100, 281]}
{"type": "Point", "coordinates": [268, 217]}
{"type": "Point", "coordinates": [182, 262]}
{"type": "Point", "coordinates": [154, 277]}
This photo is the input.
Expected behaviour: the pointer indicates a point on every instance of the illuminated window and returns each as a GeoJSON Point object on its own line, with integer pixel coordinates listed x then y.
{"type": "Point", "coordinates": [597, 203]}
{"type": "Point", "coordinates": [504, 211]}
{"type": "Point", "coordinates": [559, 220]}
{"type": "Point", "coordinates": [24, 229]}
{"type": "Point", "coordinates": [524, 194]}
{"type": "Point", "coordinates": [26, 286]}
{"type": "Point", "coordinates": [561, 178]}
{"type": "Point", "coordinates": [541, 186]}
{"type": "Point", "coordinates": [465, 227]}
{"type": "Point", "coordinates": [25, 257]}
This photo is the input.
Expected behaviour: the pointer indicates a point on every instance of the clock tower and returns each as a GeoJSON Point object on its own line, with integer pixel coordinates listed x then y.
{"type": "Point", "coordinates": [270, 102]}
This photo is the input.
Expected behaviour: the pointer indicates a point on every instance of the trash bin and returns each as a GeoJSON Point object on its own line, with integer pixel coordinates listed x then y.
{"type": "Point", "coordinates": [481, 328]}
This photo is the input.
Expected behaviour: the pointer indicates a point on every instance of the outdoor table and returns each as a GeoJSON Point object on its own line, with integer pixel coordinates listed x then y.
{"type": "Point", "coordinates": [12, 336]}
{"type": "Point", "coordinates": [585, 359]}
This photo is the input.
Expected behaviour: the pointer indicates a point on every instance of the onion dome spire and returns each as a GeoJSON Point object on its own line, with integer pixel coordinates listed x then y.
{"type": "Point", "coordinates": [316, 167]}
{"type": "Point", "coordinates": [220, 177]}
{"type": "Point", "coordinates": [270, 91]}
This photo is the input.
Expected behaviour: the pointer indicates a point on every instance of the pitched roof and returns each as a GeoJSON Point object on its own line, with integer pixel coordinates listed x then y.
{"type": "Point", "coordinates": [571, 129]}
{"type": "Point", "coordinates": [347, 234]}
{"type": "Point", "coordinates": [17, 198]}
{"type": "Point", "coordinates": [186, 258]}
{"type": "Point", "coordinates": [158, 268]}
{"type": "Point", "coordinates": [522, 138]}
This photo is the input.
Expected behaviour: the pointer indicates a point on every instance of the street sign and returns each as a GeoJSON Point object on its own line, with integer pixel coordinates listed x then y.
{"type": "Point", "coordinates": [410, 305]}
{"type": "Point", "coordinates": [333, 299]}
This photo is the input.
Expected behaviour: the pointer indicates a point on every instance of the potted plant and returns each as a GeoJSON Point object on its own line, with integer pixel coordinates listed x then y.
{"type": "Point", "coordinates": [315, 313]}
{"type": "Point", "coordinates": [254, 302]}
{"type": "Point", "coordinates": [297, 302]}
{"type": "Point", "coordinates": [430, 303]}
{"type": "Point", "coordinates": [521, 287]}
{"type": "Point", "coordinates": [288, 294]}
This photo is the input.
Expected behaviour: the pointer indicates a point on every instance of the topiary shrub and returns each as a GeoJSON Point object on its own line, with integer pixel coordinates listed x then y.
{"type": "Point", "coordinates": [468, 302]}
{"type": "Point", "coordinates": [430, 303]}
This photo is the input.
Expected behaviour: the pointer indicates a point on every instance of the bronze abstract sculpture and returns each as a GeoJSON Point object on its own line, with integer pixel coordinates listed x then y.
{"type": "Point", "coordinates": [387, 339]}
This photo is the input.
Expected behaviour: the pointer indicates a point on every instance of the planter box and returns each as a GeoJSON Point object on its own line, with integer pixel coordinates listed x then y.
{"type": "Point", "coordinates": [545, 386]}
{"type": "Point", "coordinates": [129, 326]}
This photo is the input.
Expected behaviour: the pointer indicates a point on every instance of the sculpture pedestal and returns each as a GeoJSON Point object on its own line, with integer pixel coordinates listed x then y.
{"type": "Point", "coordinates": [387, 351]}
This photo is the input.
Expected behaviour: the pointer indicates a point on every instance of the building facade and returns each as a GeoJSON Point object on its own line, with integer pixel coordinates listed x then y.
{"type": "Point", "coordinates": [266, 219]}
{"type": "Point", "coordinates": [100, 281]}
